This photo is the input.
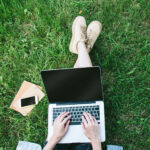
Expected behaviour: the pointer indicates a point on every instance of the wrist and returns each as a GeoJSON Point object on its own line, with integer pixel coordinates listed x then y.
{"type": "Point", "coordinates": [97, 140]}
{"type": "Point", "coordinates": [55, 139]}
{"type": "Point", "coordinates": [52, 141]}
{"type": "Point", "coordinates": [96, 144]}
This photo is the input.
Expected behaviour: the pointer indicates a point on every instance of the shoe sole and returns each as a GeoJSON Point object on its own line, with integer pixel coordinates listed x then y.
{"type": "Point", "coordinates": [73, 36]}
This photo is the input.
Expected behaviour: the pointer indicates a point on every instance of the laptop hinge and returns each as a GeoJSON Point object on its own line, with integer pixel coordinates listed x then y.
{"type": "Point", "coordinates": [74, 103]}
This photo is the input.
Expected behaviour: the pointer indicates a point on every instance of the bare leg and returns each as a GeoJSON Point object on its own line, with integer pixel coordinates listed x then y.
{"type": "Point", "coordinates": [83, 59]}
{"type": "Point", "coordinates": [76, 65]}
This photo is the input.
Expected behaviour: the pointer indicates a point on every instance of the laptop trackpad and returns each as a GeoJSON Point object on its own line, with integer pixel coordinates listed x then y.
{"type": "Point", "coordinates": [74, 135]}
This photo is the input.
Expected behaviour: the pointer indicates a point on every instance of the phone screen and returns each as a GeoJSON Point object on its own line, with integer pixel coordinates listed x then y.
{"type": "Point", "coordinates": [28, 101]}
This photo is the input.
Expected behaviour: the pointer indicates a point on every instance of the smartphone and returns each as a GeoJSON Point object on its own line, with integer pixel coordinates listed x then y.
{"type": "Point", "coordinates": [28, 101]}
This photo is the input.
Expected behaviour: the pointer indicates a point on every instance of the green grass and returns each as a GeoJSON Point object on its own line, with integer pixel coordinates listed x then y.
{"type": "Point", "coordinates": [35, 35]}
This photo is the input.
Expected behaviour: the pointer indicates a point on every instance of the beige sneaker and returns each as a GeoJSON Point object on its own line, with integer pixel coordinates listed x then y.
{"type": "Point", "coordinates": [78, 33]}
{"type": "Point", "coordinates": [93, 31]}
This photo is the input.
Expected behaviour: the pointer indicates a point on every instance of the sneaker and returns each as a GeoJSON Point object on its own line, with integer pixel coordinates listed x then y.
{"type": "Point", "coordinates": [78, 33]}
{"type": "Point", "coordinates": [93, 31]}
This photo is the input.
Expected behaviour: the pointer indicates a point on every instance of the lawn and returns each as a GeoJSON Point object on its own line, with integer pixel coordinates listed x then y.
{"type": "Point", "coordinates": [35, 35]}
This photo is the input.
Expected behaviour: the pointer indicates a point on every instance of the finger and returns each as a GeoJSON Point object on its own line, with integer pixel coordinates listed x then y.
{"type": "Point", "coordinates": [67, 125]}
{"type": "Point", "coordinates": [87, 118]}
{"type": "Point", "coordinates": [83, 126]}
{"type": "Point", "coordinates": [91, 118]}
{"type": "Point", "coordinates": [61, 114]}
{"type": "Point", "coordinates": [64, 115]}
{"type": "Point", "coordinates": [84, 121]}
{"type": "Point", "coordinates": [95, 121]}
{"type": "Point", "coordinates": [66, 119]}
{"type": "Point", "coordinates": [58, 117]}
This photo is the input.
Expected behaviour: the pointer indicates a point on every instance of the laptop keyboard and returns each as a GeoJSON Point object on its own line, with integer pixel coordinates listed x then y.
{"type": "Point", "coordinates": [77, 112]}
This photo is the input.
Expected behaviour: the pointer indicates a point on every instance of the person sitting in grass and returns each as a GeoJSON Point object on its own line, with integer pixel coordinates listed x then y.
{"type": "Point", "coordinates": [82, 42]}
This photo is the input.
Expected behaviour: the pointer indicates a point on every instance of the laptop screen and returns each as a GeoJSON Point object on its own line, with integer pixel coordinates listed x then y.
{"type": "Point", "coordinates": [73, 84]}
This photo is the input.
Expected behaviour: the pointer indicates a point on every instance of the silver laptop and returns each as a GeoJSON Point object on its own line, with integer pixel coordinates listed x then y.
{"type": "Point", "coordinates": [75, 90]}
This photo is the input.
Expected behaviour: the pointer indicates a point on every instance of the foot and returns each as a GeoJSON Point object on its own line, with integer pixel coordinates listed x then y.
{"type": "Point", "coordinates": [78, 33]}
{"type": "Point", "coordinates": [93, 31]}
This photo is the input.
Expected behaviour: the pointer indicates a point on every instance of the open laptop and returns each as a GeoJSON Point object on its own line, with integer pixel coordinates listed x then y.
{"type": "Point", "coordinates": [75, 90]}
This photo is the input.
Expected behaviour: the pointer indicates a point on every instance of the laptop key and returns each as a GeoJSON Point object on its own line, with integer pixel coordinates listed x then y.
{"type": "Point", "coordinates": [97, 118]}
{"type": "Point", "coordinates": [96, 108]}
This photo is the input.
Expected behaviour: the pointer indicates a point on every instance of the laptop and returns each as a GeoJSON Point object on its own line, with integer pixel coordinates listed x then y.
{"type": "Point", "coordinates": [74, 90]}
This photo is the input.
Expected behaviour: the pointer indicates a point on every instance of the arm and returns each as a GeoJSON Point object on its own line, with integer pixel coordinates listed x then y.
{"type": "Point", "coordinates": [96, 145]}
{"type": "Point", "coordinates": [91, 130]}
{"type": "Point", "coordinates": [60, 128]}
{"type": "Point", "coordinates": [51, 144]}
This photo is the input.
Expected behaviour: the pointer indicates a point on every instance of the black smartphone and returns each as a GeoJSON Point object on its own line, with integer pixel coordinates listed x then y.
{"type": "Point", "coordinates": [28, 101]}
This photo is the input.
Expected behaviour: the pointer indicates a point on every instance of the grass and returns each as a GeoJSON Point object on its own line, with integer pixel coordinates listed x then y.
{"type": "Point", "coordinates": [35, 35]}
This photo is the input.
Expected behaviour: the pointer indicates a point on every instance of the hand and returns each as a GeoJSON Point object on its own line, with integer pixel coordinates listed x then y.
{"type": "Point", "coordinates": [60, 126]}
{"type": "Point", "coordinates": [90, 127]}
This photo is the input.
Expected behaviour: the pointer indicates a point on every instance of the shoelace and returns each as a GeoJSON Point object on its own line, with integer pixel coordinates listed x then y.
{"type": "Point", "coordinates": [83, 33]}
{"type": "Point", "coordinates": [89, 40]}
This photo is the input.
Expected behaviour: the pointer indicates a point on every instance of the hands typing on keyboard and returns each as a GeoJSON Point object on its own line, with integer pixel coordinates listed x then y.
{"type": "Point", "coordinates": [89, 125]}
{"type": "Point", "coordinates": [76, 113]}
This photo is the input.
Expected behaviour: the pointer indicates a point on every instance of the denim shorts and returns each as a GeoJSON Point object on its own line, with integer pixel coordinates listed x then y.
{"type": "Point", "coordinates": [73, 146]}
